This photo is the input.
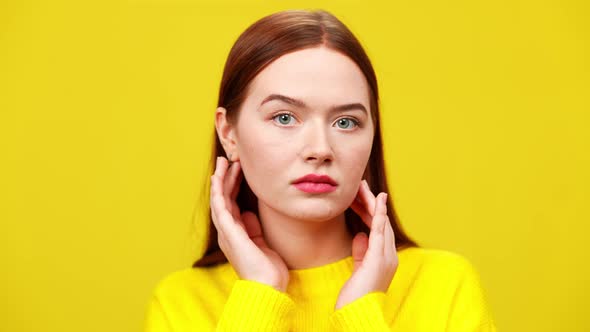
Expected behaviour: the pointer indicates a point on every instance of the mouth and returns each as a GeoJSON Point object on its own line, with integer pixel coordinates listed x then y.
{"type": "Point", "coordinates": [315, 183]}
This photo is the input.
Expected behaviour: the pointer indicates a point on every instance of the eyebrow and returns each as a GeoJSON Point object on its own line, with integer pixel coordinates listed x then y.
{"type": "Point", "coordinates": [301, 104]}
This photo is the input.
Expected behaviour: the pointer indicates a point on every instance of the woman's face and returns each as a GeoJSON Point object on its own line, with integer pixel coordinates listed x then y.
{"type": "Point", "coordinates": [281, 139]}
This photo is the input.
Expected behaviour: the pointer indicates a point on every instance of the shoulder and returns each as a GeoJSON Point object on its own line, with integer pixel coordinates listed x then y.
{"type": "Point", "coordinates": [436, 263]}
{"type": "Point", "coordinates": [433, 257]}
{"type": "Point", "coordinates": [192, 280]}
{"type": "Point", "coordinates": [444, 279]}
{"type": "Point", "coordinates": [189, 298]}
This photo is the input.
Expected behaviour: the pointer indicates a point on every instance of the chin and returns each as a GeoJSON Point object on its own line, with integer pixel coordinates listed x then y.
{"type": "Point", "coordinates": [312, 208]}
{"type": "Point", "coordinates": [317, 211]}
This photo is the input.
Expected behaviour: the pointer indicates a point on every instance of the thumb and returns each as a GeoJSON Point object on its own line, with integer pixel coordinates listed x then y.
{"type": "Point", "coordinates": [360, 243]}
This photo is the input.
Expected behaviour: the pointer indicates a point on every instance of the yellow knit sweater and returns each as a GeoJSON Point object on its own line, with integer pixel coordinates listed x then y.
{"type": "Point", "coordinates": [432, 290]}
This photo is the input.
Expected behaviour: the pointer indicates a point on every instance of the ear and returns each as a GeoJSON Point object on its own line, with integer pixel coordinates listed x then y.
{"type": "Point", "coordinates": [226, 133]}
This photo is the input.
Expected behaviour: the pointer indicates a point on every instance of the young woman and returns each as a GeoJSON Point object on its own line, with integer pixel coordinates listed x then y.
{"type": "Point", "coordinates": [298, 239]}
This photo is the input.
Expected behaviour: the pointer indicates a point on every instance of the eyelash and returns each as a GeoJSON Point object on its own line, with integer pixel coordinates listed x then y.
{"type": "Point", "coordinates": [354, 121]}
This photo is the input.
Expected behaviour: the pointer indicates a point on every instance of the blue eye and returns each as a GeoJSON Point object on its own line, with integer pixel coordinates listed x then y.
{"type": "Point", "coordinates": [343, 123]}
{"type": "Point", "coordinates": [283, 118]}
{"type": "Point", "coordinates": [346, 123]}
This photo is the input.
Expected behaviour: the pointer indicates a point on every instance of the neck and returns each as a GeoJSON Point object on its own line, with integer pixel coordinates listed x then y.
{"type": "Point", "coordinates": [305, 243]}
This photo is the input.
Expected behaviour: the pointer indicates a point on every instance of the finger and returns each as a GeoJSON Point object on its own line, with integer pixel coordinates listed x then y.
{"type": "Point", "coordinates": [224, 221]}
{"type": "Point", "coordinates": [217, 202]}
{"type": "Point", "coordinates": [212, 196]}
{"type": "Point", "coordinates": [230, 180]}
{"type": "Point", "coordinates": [253, 229]}
{"type": "Point", "coordinates": [232, 187]}
{"type": "Point", "coordinates": [220, 170]}
{"type": "Point", "coordinates": [389, 236]}
{"type": "Point", "coordinates": [367, 196]}
{"type": "Point", "coordinates": [214, 205]}
{"type": "Point", "coordinates": [361, 210]}
{"type": "Point", "coordinates": [220, 167]}
{"type": "Point", "coordinates": [382, 210]}
{"type": "Point", "coordinates": [389, 249]}
{"type": "Point", "coordinates": [237, 180]}
{"type": "Point", "coordinates": [376, 237]}
{"type": "Point", "coordinates": [360, 244]}
{"type": "Point", "coordinates": [363, 204]}
{"type": "Point", "coordinates": [227, 175]}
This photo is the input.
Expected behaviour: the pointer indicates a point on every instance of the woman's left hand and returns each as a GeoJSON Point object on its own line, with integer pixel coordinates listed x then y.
{"type": "Point", "coordinates": [375, 257]}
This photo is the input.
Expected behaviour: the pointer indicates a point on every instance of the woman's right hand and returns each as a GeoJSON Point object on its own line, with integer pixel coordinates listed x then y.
{"type": "Point", "coordinates": [240, 236]}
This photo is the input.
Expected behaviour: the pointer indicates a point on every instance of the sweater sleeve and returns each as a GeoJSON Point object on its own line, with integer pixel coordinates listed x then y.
{"type": "Point", "coordinates": [253, 306]}
{"type": "Point", "coordinates": [363, 314]}
{"type": "Point", "coordinates": [155, 319]}
{"type": "Point", "coordinates": [250, 306]}
{"type": "Point", "coordinates": [469, 310]}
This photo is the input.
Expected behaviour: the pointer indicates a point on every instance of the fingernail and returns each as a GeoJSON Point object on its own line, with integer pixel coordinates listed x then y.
{"type": "Point", "coordinates": [385, 199]}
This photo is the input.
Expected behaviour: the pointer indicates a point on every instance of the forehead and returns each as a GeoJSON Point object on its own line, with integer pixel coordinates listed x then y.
{"type": "Point", "coordinates": [319, 76]}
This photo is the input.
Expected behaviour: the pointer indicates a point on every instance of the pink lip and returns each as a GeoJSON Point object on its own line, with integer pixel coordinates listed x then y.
{"type": "Point", "coordinates": [315, 183]}
{"type": "Point", "coordinates": [314, 187]}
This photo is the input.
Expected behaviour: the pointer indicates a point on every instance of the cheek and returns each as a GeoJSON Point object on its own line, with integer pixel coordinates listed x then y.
{"type": "Point", "coordinates": [354, 162]}
{"type": "Point", "coordinates": [355, 157]}
{"type": "Point", "coordinates": [264, 159]}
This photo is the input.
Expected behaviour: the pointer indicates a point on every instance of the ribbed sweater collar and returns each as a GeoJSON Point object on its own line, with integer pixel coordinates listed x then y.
{"type": "Point", "coordinates": [309, 283]}
{"type": "Point", "coordinates": [326, 280]}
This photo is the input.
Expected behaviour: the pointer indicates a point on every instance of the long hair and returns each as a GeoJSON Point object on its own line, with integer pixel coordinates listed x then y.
{"type": "Point", "coordinates": [260, 44]}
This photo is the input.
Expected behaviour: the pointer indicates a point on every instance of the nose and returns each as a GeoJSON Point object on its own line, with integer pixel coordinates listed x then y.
{"type": "Point", "coordinates": [317, 147]}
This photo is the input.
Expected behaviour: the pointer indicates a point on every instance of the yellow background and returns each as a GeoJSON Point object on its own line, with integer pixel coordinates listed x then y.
{"type": "Point", "coordinates": [106, 114]}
